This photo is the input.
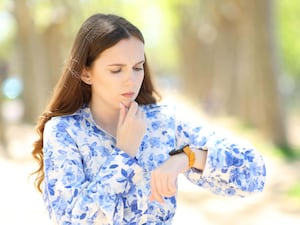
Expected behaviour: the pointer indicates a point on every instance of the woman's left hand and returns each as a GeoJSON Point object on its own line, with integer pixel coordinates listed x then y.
{"type": "Point", "coordinates": [164, 178]}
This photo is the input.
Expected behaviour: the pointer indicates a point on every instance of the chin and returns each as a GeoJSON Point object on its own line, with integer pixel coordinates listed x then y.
{"type": "Point", "coordinates": [127, 103]}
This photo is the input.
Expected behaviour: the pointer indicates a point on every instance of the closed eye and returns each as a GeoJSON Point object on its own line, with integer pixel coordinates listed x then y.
{"type": "Point", "coordinates": [116, 70]}
{"type": "Point", "coordinates": [138, 68]}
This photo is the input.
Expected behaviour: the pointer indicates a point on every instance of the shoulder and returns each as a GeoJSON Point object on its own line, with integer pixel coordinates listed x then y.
{"type": "Point", "coordinates": [60, 123]}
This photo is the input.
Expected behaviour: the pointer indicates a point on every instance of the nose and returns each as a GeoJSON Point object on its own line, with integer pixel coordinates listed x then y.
{"type": "Point", "coordinates": [130, 77]}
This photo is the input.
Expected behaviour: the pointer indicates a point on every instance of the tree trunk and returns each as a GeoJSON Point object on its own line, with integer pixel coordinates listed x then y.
{"type": "Point", "coordinates": [41, 52]}
{"type": "Point", "coordinates": [33, 66]}
{"type": "Point", "coordinates": [230, 62]}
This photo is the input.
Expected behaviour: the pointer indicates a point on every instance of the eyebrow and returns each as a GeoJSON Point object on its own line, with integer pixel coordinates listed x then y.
{"type": "Point", "coordinates": [120, 64]}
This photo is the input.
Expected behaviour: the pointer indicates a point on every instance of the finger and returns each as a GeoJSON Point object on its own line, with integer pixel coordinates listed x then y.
{"type": "Point", "coordinates": [171, 187]}
{"type": "Point", "coordinates": [152, 198]}
{"type": "Point", "coordinates": [133, 108]}
{"type": "Point", "coordinates": [140, 114]}
{"type": "Point", "coordinates": [167, 190]}
{"type": "Point", "coordinates": [122, 115]}
{"type": "Point", "coordinates": [160, 184]}
{"type": "Point", "coordinates": [154, 192]}
{"type": "Point", "coordinates": [164, 189]}
{"type": "Point", "coordinates": [153, 187]}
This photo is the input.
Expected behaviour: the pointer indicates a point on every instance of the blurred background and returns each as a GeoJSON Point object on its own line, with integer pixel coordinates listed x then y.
{"type": "Point", "coordinates": [232, 63]}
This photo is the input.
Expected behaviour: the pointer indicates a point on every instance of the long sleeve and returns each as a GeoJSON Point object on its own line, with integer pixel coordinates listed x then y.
{"type": "Point", "coordinates": [72, 198]}
{"type": "Point", "coordinates": [233, 166]}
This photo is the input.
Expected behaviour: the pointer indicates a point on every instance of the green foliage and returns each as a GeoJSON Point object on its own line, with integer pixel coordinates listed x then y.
{"type": "Point", "coordinates": [289, 22]}
{"type": "Point", "coordinates": [294, 193]}
{"type": "Point", "coordinates": [287, 152]}
{"type": "Point", "coordinates": [157, 20]}
{"type": "Point", "coordinates": [3, 4]}
{"type": "Point", "coordinates": [43, 13]}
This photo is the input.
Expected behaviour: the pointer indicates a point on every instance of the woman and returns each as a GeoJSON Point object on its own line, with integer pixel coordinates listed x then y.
{"type": "Point", "coordinates": [109, 154]}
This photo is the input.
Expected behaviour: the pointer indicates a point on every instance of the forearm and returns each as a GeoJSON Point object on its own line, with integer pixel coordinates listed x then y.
{"type": "Point", "coordinates": [234, 169]}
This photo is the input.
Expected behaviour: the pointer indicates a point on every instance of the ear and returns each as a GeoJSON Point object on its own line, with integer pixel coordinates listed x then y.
{"type": "Point", "coordinates": [86, 77]}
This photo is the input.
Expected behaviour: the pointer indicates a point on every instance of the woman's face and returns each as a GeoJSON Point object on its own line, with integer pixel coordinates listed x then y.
{"type": "Point", "coordinates": [117, 74]}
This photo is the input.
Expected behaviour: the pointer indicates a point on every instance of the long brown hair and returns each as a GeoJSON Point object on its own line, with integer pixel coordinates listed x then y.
{"type": "Point", "coordinates": [97, 33]}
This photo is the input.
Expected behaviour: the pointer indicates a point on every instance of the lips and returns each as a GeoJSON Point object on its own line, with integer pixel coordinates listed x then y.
{"type": "Point", "coordinates": [128, 94]}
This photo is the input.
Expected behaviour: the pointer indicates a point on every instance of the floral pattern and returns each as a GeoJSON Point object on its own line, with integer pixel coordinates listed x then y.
{"type": "Point", "coordinates": [88, 180]}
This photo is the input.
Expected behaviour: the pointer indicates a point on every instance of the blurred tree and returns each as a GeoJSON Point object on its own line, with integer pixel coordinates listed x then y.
{"type": "Point", "coordinates": [227, 51]}
{"type": "Point", "coordinates": [43, 41]}
{"type": "Point", "coordinates": [230, 48]}
{"type": "Point", "coordinates": [33, 68]}
{"type": "Point", "coordinates": [289, 22]}
{"type": "Point", "coordinates": [288, 17]}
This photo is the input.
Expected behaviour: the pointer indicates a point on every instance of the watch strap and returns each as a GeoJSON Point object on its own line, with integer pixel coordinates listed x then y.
{"type": "Point", "coordinates": [189, 153]}
{"type": "Point", "coordinates": [177, 151]}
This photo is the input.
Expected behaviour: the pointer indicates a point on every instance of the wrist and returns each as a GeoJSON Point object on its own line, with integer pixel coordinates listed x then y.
{"type": "Point", "coordinates": [182, 162]}
{"type": "Point", "coordinates": [195, 158]}
{"type": "Point", "coordinates": [200, 161]}
{"type": "Point", "coordinates": [187, 152]}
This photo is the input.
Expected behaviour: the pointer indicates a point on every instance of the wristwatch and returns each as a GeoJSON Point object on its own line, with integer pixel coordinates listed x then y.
{"type": "Point", "coordinates": [190, 154]}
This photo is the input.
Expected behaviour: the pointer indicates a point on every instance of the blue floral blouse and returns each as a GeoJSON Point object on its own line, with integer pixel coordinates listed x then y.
{"type": "Point", "coordinates": [89, 181]}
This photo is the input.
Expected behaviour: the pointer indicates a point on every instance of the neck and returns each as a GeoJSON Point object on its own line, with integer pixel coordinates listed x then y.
{"type": "Point", "coordinates": [106, 117]}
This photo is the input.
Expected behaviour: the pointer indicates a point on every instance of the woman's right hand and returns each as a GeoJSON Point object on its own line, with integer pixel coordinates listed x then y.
{"type": "Point", "coordinates": [131, 128]}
